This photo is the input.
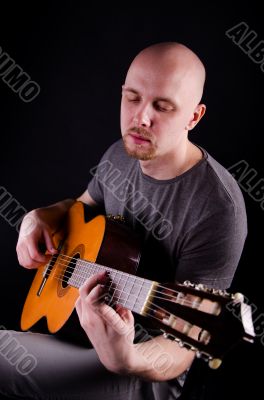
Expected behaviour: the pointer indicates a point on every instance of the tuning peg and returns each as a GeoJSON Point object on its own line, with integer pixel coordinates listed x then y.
{"type": "Point", "coordinates": [188, 283]}
{"type": "Point", "coordinates": [198, 354]}
{"type": "Point", "coordinates": [174, 338]}
{"type": "Point", "coordinates": [188, 346]}
{"type": "Point", "coordinates": [215, 291]}
{"type": "Point", "coordinates": [218, 292]}
{"type": "Point", "coordinates": [169, 336]}
{"type": "Point", "coordinates": [201, 286]}
{"type": "Point", "coordinates": [222, 292]}
{"type": "Point", "coordinates": [182, 344]}
{"type": "Point", "coordinates": [215, 363]}
{"type": "Point", "coordinates": [203, 356]}
{"type": "Point", "coordinates": [238, 297]}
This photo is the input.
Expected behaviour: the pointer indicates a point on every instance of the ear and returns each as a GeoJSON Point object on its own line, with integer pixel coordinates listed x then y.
{"type": "Point", "coordinates": [197, 115]}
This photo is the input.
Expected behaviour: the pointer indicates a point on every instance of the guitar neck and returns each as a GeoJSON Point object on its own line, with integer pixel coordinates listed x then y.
{"type": "Point", "coordinates": [130, 291]}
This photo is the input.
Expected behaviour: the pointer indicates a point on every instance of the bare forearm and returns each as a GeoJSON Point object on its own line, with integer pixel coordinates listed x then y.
{"type": "Point", "coordinates": [61, 207]}
{"type": "Point", "coordinates": [112, 334]}
{"type": "Point", "coordinates": [160, 359]}
{"type": "Point", "coordinates": [54, 213]}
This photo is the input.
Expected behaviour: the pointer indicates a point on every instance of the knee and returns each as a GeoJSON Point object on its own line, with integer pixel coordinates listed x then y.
{"type": "Point", "coordinates": [15, 363]}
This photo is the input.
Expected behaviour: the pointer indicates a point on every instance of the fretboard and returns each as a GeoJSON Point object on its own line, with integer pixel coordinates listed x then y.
{"type": "Point", "coordinates": [128, 290]}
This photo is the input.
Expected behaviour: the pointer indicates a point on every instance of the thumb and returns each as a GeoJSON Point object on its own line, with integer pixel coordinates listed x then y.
{"type": "Point", "coordinates": [49, 242]}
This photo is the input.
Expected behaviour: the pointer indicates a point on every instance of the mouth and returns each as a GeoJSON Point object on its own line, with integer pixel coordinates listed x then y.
{"type": "Point", "coordinates": [139, 139]}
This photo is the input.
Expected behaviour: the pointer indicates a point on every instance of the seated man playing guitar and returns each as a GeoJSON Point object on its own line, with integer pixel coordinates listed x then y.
{"type": "Point", "coordinates": [187, 207]}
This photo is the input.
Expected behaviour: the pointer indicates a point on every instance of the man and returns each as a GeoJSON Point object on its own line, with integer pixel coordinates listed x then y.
{"type": "Point", "coordinates": [185, 204]}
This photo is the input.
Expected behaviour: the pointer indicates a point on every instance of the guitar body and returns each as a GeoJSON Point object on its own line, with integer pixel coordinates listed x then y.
{"type": "Point", "coordinates": [102, 240]}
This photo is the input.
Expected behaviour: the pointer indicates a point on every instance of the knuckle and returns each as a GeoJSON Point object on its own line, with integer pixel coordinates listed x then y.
{"type": "Point", "coordinates": [82, 291]}
{"type": "Point", "coordinates": [18, 247]}
{"type": "Point", "coordinates": [28, 225]}
{"type": "Point", "coordinates": [20, 260]}
{"type": "Point", "coordinates": [26, 264]}
{"type": "Point", "coordinates": [34, 253]}
{"type": "Point", "coordinates": [89, 302]}
{"type": "Point", "coordinates": [86, 323]}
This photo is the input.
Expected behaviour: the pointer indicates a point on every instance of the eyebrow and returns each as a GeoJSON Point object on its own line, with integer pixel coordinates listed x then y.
{"type": "Point", "coordinates": [165, 99]}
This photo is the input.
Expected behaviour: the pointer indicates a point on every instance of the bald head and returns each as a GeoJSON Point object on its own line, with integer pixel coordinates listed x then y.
{"type": "Point", "coordinates": [174, 63]}
{"type": "Point", "coordinates": [161, 103]}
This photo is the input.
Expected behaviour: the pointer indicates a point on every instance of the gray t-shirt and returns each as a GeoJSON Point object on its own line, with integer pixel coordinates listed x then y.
{"type": "Point", "coordinates": [194, 225]}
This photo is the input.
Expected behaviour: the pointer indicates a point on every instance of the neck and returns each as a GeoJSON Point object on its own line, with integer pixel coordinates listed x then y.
{"type": "Point", "coordinates": [128, 290]}
{"type": "Point", "coordinates": [173, 164]}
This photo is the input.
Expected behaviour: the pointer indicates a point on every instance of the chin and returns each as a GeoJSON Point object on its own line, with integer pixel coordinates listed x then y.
{"type": "Point", "coordinates": [138, 152]}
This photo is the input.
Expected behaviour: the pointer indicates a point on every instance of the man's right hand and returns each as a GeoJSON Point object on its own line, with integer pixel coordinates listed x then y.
{"type": "Point", "coordinates": [36, 229]}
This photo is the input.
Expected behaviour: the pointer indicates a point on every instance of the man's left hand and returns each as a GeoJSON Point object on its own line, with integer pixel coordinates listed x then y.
{"type": "Point", "coordinates": [111, 331]}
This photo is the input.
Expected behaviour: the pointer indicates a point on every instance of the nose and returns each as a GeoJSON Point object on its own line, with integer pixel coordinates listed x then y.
{"type": "Point", "coordinates": [143, 118]}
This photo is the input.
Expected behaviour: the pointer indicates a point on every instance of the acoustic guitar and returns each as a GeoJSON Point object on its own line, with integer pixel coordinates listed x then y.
{"type": "Point", "coordinates": [106, 244]}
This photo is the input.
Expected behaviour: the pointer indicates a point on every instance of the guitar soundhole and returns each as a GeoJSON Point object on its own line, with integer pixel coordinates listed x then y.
{"type": "Point", "coordinates": [69, 270]}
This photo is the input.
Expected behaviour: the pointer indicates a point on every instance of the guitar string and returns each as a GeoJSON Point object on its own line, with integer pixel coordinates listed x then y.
{"type": "Point", "coordinates": [127, 301]}
{"type": "Point", "coordinates": [130, 305]}
{"type": "Point", "coordinates": [188, 302]}
{"type": "Point", "coordinates": [184, 301]}
{"type": "Point", "coordinates": [169, 297]}
{"type": "Point", "coordinates": [153, 309]}
{"type": "Point", "coordinates": [91, 264]}
{"type": "Point", "coordinates": [116, 272]}
{"type": "Point", "coordinates": [179, 319]}
{"type": "Point", "coordinates": [166, 295]}
{"type": "Point", "coordinates": [185, 334]}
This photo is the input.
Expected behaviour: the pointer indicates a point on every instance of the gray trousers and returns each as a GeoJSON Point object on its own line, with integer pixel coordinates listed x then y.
{"type": "Point", "coordinates": [40, 366]}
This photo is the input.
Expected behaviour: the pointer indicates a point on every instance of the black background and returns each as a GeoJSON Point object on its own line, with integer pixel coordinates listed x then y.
{"type": "Point", "coordinates": [79, 57]}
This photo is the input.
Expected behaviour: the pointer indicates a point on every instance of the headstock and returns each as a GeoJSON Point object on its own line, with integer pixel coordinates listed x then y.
{"type": "Point", "coordinates": [207, 321]}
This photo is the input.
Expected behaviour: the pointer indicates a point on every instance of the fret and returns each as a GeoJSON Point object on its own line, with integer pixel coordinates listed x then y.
{"type": "Point", "coordinates": [112, 289]}
{"type": "Point", "coordinates": [140, 300]}
{"type": "Point", "coordinates": [128, 290]}
{"type": "Point", "coordinates": [134, 292]}
{"type": "Point", "coordinates": [126, 294]}
{"type": "Point", "coordinates": [117, 282]}
{"type": "Point", "coordinates": [145, 288]}
{"type": "Point", "coordinates": [91, 269]}
{"type": "Point", "coordinates": [82, 272]}
{"type": "Point", "coordinates": [76, 278]}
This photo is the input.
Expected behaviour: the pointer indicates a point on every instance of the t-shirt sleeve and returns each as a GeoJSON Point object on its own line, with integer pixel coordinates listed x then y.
{"type": "Point", "coordinates": [212, 248]}
{"type": "Point", "coordinates": [99, 174]}
{"type": "Point", "coordinates": [96, 191]}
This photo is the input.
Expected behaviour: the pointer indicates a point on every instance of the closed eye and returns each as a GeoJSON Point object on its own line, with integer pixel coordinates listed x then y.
{"type": "Point", "coordinates": [164, 107]}
{"type": "Point", "coordinates": [132, 98]}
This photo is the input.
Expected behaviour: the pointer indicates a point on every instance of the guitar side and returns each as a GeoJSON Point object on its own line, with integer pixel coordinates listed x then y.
{"type": "Point", "coordinates": [51, 298]}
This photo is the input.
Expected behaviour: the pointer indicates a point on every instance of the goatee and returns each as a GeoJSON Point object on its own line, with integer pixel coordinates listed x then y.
{"type": "Point", "coordinates": [138, 151]}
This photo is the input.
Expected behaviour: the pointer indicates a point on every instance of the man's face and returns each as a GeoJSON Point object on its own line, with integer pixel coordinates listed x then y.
{"type": "Point", "coordinates": [156, 108]}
